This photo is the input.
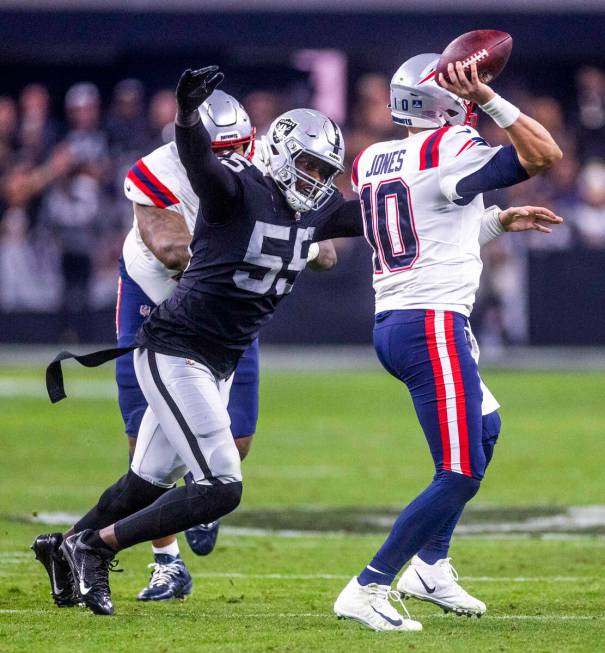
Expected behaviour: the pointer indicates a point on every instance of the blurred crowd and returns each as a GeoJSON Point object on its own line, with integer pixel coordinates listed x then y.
{"type": "Point", "coordinates": [63, 215]}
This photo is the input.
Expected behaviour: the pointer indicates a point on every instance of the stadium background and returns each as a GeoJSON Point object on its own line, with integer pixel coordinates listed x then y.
{"type": "Point", "coordinates": [63, 215]}
{"type": "Point", "coordinates": [338, 449]}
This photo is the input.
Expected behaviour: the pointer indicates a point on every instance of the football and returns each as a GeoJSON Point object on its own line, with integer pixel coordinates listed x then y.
{"type": "Point", "coordinates": [488, 48]}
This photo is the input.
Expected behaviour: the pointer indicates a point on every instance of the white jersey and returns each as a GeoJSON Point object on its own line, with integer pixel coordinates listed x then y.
{"type": "Point", "coordinates": [158, 179]}
{"type": "Point", "coordinates": [426, 246]}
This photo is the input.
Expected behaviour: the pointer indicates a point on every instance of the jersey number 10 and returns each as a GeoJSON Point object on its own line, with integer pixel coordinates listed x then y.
{"type": "Point", "coordinates": [389, 225]}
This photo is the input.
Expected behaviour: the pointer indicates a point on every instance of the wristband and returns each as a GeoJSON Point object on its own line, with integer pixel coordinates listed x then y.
{"type": "Point", "coordinates": [501, 111]}
{"type": "Point", "coordinates": [313, 252]}
{"type": "Point", "coordinates": [491, 221]}
{"type": "Point", "coordinates": [491, 227]}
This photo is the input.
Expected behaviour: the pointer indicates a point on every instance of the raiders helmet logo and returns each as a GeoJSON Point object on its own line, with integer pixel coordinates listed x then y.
{"type": "Point", "coordinates": [283, 128]}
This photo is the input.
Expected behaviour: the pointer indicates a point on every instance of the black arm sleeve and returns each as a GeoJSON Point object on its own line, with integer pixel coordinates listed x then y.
{"type": "Point", "coordinates": [217, 187]}
{"type": "Point", "coordinates": [502, 170]}
{"type": "Point", "coordinates": [344, 222]}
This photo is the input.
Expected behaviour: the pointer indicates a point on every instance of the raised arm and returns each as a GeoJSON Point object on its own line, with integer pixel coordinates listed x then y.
{"type": "Point", "coordinates": [216, 187]}
{"type": "Point", "coordinates": [534, 146]}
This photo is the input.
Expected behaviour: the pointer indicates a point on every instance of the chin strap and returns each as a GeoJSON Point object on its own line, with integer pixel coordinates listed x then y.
{"type": "Point", "coordinates": [471, 117]}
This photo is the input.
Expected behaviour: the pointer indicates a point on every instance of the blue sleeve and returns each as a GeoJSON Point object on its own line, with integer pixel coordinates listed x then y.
{"type": "Point", "coordinates": [502, 170]}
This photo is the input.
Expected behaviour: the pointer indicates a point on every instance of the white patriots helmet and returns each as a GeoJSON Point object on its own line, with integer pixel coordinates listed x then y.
{"type": "Point", "coordinates": [303, 131]}
{"type": "Point", "coordinates": [418, 101]}
{"type": "Point", "coordinates": [228, 123]}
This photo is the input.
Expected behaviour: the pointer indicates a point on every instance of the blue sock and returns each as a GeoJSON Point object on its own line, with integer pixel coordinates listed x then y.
{"type": "Point", "coordinates": [418, 523]}
{"type": "Point", "coordinates": [438, 546]}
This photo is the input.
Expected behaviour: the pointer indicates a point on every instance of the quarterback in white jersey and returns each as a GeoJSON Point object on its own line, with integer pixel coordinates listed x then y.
{"type": "Point", "coordinates": [422, 207]}
{"type": "Point", "coordinates": [426, 253]}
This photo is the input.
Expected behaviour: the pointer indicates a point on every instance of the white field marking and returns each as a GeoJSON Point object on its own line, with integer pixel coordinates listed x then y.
{"type": "Point", "coordinates": [327, 615]}
{"type": "Point", "coordinates": [568, 525]}
{"type": "Point", "coordinates": [531, 617]}
{"type": "Point", "coordinates": [14, 386]}
{"type": "Point", "coordinates": [475, 579]}
{"type": "Point", "coordinates": [573, 518]}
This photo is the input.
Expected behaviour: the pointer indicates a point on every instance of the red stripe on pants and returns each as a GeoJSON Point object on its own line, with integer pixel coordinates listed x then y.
{"type": "Point", "coordinates": [431, 339]}
{"type": "Point", "coordinates": [465, 463]}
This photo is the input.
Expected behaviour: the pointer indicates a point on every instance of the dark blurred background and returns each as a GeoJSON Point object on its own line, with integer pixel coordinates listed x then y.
{"type": "Point", "coordinates": [87, 88]}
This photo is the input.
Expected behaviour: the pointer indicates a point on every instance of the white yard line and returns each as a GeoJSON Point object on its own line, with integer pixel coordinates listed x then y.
{"type": "Point", "coordinates": [328, 615]}
{"type": "Point", "coordinates": [476, 579]}
{"type": "Point", "coordinates": [17, 386]}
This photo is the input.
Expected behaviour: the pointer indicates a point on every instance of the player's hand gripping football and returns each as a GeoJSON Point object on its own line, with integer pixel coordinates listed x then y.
{"type": "Point", "coordinates": [196, 86]}
{"type": "Point", "coordinates": [526, 218]}
{"type": "Point", "coordinates": [459, 84]}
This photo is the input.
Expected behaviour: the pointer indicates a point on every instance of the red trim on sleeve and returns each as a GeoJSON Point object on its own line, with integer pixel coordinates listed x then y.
{"type": "Point", "coordinates": [151, 186]}
{"type": "Point", "coordinates": [354, 170]}
{"type": "Point", "coordinates": [467, 146]}
{"type": "Point", "coordinates": [429, 152]}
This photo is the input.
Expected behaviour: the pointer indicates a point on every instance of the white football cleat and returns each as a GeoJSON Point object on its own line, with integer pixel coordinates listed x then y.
{"type": "Point", "coordinates": [370, 606]}
{"type": "Point", "coordinates": [438, 584]}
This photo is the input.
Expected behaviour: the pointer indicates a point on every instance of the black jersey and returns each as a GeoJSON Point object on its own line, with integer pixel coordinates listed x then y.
{"type": "Point", "coordinates": [248, 247]}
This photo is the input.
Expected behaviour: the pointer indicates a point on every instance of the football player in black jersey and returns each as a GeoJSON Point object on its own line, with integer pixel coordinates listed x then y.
{"type": "Point", "coordinates": [251, 241]}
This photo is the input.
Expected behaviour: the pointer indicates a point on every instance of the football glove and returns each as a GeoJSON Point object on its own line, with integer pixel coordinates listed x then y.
{"type": "Point", "coordinates": [195, 87]}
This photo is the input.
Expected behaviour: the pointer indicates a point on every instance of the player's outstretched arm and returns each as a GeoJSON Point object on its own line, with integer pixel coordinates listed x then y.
{"type": "Point", "coordinates": [535, 147]}
{"type": "Point", "coordinates": [495, 221]}
{"type": "Point", "coordinates": [529, 218]}
{"type": "Point", "coordinates": [216, 187]}
{"type": "Point", "coordinates": [165, 233]}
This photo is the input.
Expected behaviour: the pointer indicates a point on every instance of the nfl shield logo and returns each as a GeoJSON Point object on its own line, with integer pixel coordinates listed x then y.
{"type": "Point", "coordinates": [416, 104]}
{"type": "Point", "coordinates": [145, 310]}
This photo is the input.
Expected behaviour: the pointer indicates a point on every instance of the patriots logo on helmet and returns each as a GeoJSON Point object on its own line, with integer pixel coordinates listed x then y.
{"type": "Point", "coordinates": [283, 128]}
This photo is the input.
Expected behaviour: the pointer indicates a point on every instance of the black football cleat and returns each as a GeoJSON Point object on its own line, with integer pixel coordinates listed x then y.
{"type": "Point", "coordinates": [62, 588]}
{"type": "Point", "coordinates": [170, 579]}
{"type": "Point", "coordinates": [90, 567]}
{"type": "Point", "coordinates": [202, 538]}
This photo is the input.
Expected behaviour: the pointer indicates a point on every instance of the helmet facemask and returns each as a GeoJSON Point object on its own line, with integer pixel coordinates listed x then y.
{"type": "Point", "coordinates": [304, 153]}
{"type": "Point", "coordinates": [302, 190]}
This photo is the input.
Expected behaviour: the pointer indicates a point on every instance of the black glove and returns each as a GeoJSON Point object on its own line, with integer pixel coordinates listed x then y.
{"type": "Point", "coordinates": [195, 87]}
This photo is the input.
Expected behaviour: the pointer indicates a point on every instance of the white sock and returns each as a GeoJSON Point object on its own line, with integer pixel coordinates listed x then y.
{"type": "Point", "coordinates": [171, 549]}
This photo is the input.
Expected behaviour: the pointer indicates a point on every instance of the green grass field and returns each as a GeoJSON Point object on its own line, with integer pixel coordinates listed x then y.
{"type": "Point", "coordinates": [336, 455]}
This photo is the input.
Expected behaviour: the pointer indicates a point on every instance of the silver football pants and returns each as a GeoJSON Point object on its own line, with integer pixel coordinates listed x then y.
{"type": "Point", "coordinates": [186, 425]}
